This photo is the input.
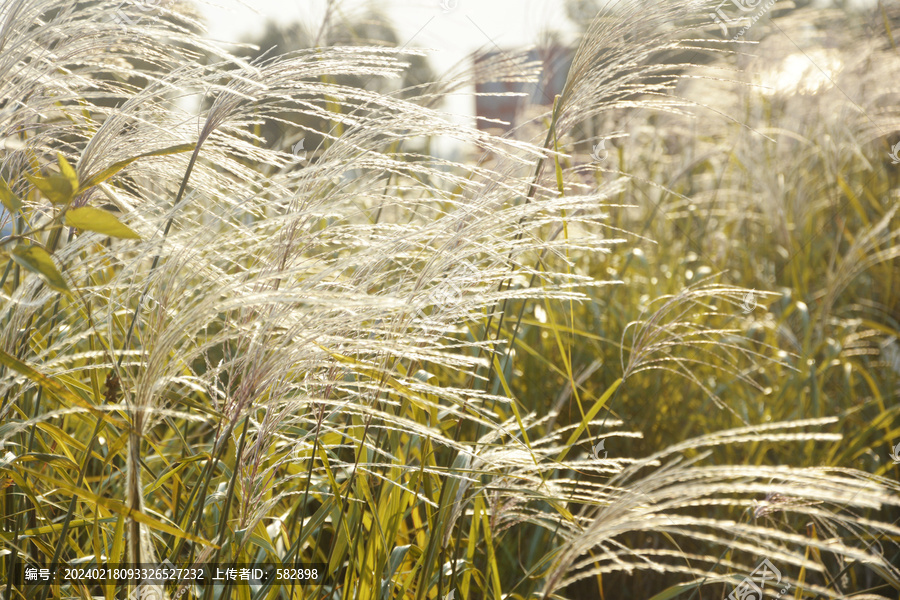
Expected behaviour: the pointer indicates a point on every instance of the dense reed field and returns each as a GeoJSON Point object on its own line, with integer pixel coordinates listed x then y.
{"type": "Point", "coordinates": [664, 366]}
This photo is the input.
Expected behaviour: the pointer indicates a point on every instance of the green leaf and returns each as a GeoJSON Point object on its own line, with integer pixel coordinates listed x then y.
{"type": "Point", "coordinates": [10, 200]}
{"type": "Point", "coordinates": [56, 188]}
{"type": "Point", "coordinates": [118, 166]}
{"type": "Point", "coordinates": [67, 171]}
{"type": "Point", "coordinates": [34, 258]}
{"type": "Point", "coordinates": [101, 221]}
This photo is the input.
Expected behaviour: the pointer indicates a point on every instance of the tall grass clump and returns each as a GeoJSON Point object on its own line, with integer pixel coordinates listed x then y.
{"type": "Point", "coordinates": [217, 350]}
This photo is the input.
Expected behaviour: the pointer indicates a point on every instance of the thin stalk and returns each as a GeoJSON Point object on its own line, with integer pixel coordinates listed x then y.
{"type": "Point", "coordinates": [153, 266]}
{"type": "Point", "coordinates": [65, 526]}
{"type": "Point", "coordinates": [226, 507]}
{"type": "Point", "coordinates": [532, 189]}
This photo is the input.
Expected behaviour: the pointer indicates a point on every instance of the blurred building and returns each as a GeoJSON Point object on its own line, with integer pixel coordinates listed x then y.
{"type": "Point", "coordinates": [555, 59]}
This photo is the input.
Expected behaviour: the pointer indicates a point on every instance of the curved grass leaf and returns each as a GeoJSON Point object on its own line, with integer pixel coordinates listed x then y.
{"type": "Point", "coordinates": [117, 507]}
{"type": "Point", "coordinates": [587, 418]}
{"type": "Point", "coordinates": [173, 470]}
{"type": "Point", "coordinates": [394, 562]}
{"type": "Point", "coordinates": [674, 591]}
{"type": "Point", "coordinates": [57, 389]}
{"type": "Point", "coordinates": [118, 166]}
